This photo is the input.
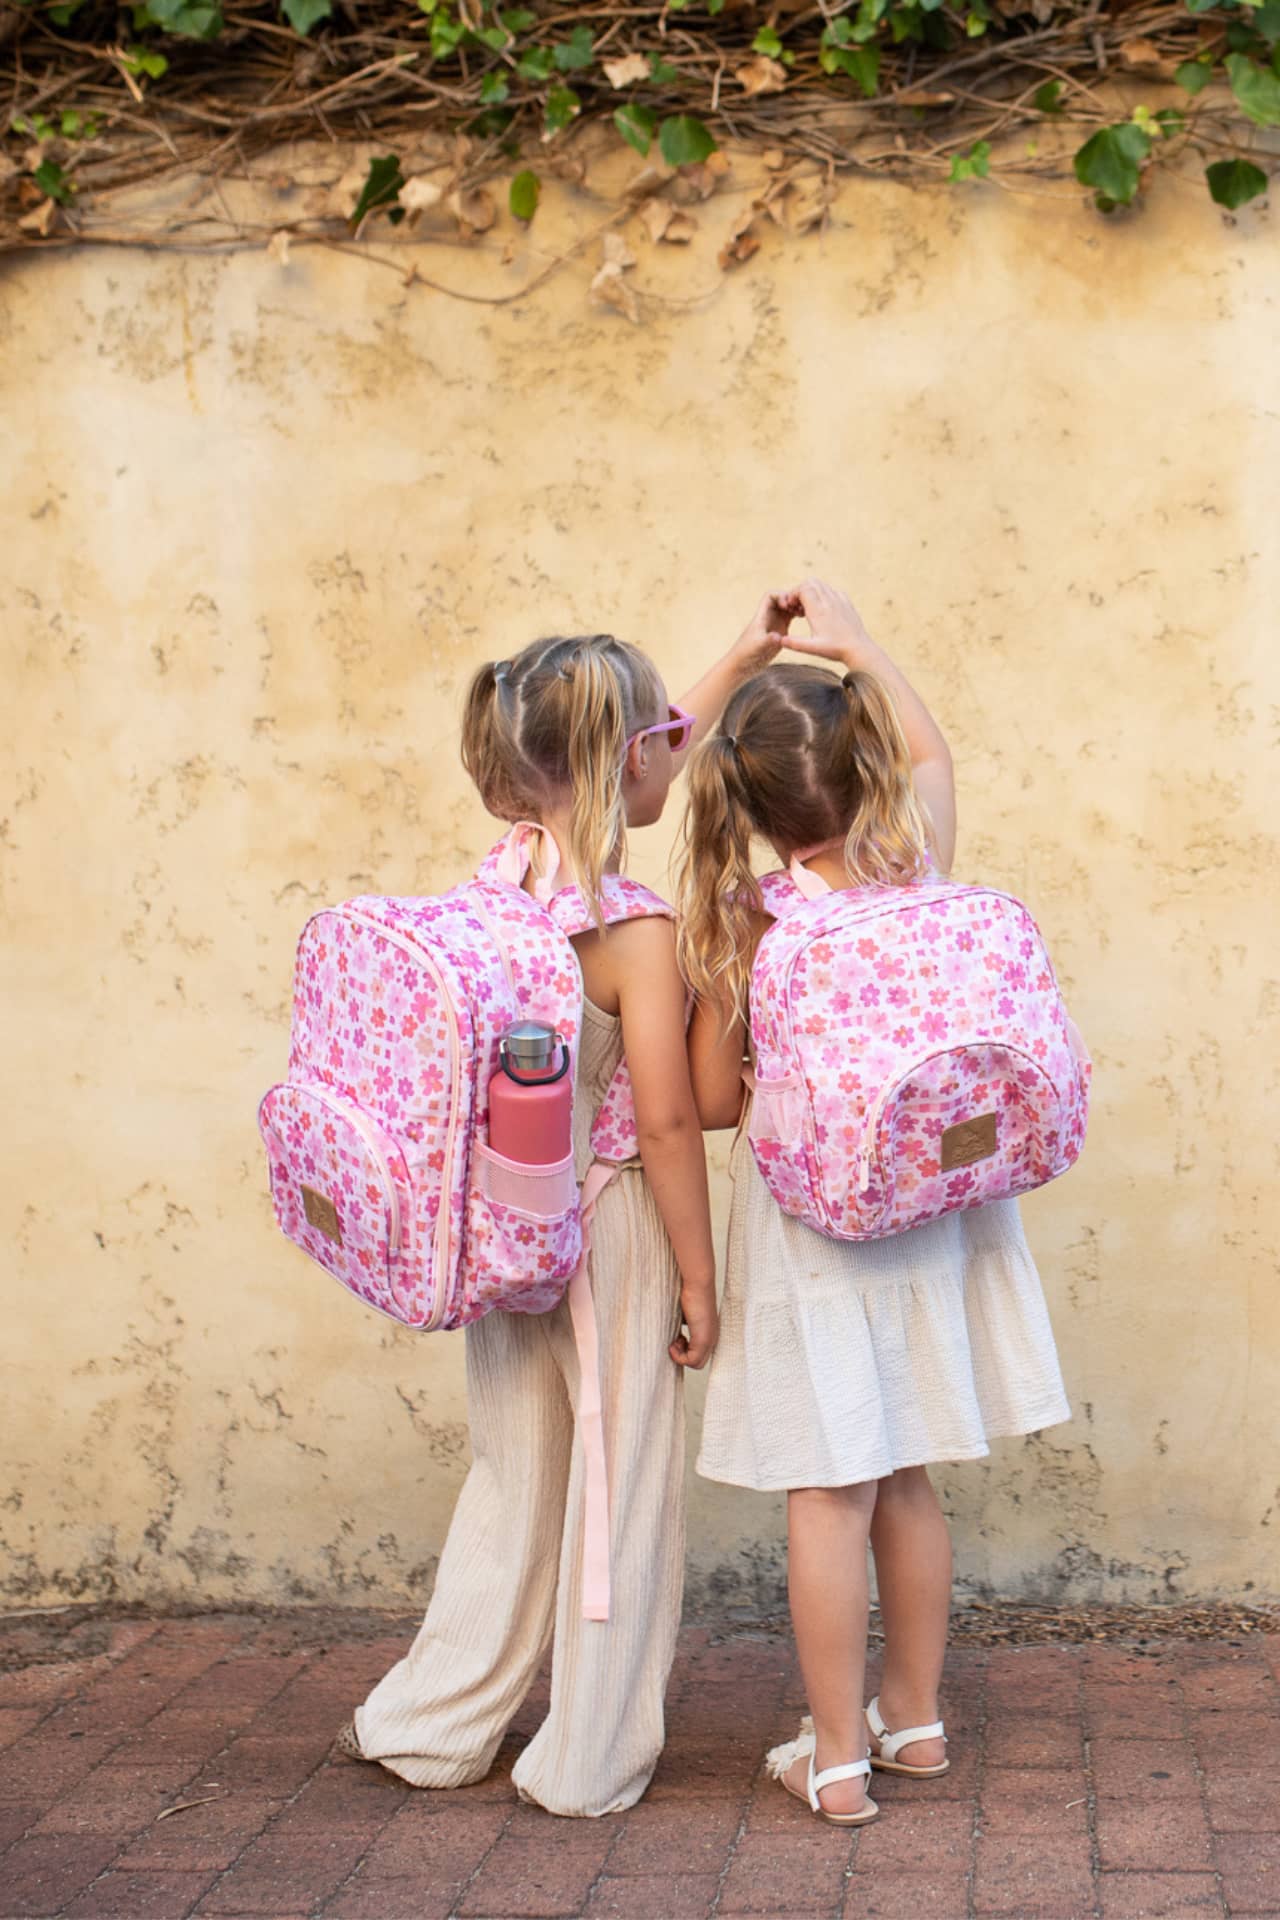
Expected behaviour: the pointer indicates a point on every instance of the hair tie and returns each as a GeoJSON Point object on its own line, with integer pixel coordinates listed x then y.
{"type": "Point", "coordinates": [501, 669]}
{"type": "Point", "coordinates": [850, 680]}
{"type": "Point", "coordinates": [732, 738]}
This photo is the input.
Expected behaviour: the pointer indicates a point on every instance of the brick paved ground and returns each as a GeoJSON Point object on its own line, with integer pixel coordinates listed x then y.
{"type": "Point", "coordinates": [1087, 1781]}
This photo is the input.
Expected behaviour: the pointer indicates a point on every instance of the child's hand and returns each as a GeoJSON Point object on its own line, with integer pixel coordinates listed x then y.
{"type": "Point", "coordinates": [695, 1346]}
{"type": "Point", "coordinates": [836, 631]}
{"type": "Point", "coordinates": [766, 631]}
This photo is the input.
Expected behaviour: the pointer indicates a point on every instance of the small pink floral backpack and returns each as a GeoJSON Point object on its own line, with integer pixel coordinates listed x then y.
{"type": "Point", "coordinates": [377, 1140]}
{"type": "Point", "coordinates": [913, 1056]}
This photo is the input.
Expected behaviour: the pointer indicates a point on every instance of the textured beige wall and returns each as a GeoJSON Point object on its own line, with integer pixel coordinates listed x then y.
{"type": "Point", "coordinates": [258, 525]}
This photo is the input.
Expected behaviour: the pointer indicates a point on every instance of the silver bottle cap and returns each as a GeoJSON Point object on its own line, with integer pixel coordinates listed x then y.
{"type": "Point", "coordinates": [530, 1047]}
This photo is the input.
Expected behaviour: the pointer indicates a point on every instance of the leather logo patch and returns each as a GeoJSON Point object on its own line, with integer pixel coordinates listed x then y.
{"type": "Point", "coordinates": [323, 1215]}
{"type": "Point", "coordinates": [967, 1141]}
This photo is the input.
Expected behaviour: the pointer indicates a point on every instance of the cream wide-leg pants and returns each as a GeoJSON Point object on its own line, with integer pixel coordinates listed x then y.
{"type": "Point", "coordinates": [511, 1569]}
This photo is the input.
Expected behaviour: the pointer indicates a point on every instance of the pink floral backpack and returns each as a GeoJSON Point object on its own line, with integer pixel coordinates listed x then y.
{"type": "Point", "coordinates": [376, 1140]}
{"type": "Point", "coordinates": [913, 1054]}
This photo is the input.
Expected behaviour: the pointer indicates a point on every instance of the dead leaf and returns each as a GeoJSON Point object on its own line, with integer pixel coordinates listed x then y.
{"type": "Point", "coordinates": [741, 241]}
{"type": "Point", "coordinates": [1145, 53]}
{"type": "Point", "coordinates": [641, 185]}
{"type": "Point", "coordinates": [508, 253]}
{"type": "Point", "coordinates": [616, 251]}
{"type": "Point", "coordinates": [773, 159]}
{"type": "Point", "coordinates": [475, 211]}
{"type": "Point", "coordinates": [665, 222]}
{"type": "Point", "coordinates": [182, 1806]}
{"type": "Point", "coordinates": [699, 181]}
{"type": "Point", "coordinates": [808, 208]}
{"type": "Point", "coordinates": [278, 247]}
{"type": "Point", "coordinates": [418, 194]}
{"type": "Point", "coordinates": [609, 289]}
{"type": "Point", "coordinates": [568, 165]}
{"type": "Point", "coordinates": [41, 220]}
{"type": "Point", "coordinates": [761, 75]}
{"type": "Point", "coordinates": [622, 73]}
{"type": "Point", "coordinates": [774, 203]}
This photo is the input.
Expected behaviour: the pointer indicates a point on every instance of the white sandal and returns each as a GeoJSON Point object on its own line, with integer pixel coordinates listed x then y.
{"type": "Point", "coordinates": [890, 1745]}
{"type": "Point", "coordinates": [780, 1759]}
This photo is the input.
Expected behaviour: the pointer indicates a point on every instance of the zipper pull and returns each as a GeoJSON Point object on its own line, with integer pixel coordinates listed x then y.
{"type": "Point", "coordinates": [864, 1170]}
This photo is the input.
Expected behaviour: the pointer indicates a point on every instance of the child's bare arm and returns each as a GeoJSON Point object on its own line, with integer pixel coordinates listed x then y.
{"type": "Point", "coordinates": [837, 633]}
{"type": "Point", "coordinates": [754, 648]}
{"type": "Point", "coordinates": [716, 1048]}
{"type": "Point", "coordinates": [651, 1000]}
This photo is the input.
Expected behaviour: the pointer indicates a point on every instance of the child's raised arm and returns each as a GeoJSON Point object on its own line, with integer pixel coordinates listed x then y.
{"type": "Point", "coordinates": [758, 643]}
{"type": "Point", "coordinates": [837, 633]}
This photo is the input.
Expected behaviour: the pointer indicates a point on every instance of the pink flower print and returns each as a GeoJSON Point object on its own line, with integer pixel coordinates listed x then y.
{"type": "Point", "coordinates": [432, 1079]}
{"type": "Point", "coordinates": [898, 996]}
{"type": "Point", "coordinates": [1016, 976]}
{"type": "Point", "coordinates": [870, 994]}
{"type": "Point", "coordinates": [964, 941]}
{"type": "Point", "coordinates": [933, 1026]}
{"type": "Point", "coordinates": [335, 1052]}
{"type": "Point", "coordinates": [937, 996]}
{"type": "Point", "coordinates": [889, 967]}
{"type": "Point", "coordinates": [378, 1018]}
{"type": "Point", "coordinates": [525, 1234]}
{"type": "Point", "coordinates": [408, 1027]}
{"type": "Point", "coordinates": [903, 1036]}
{"type": "Point", "coordinates": [1006, 1005]}
{"type": "Point", "coordinates": [820, 951]}
{"type": "Point", "coordinates": [421, 1005]}
{"type": "Point", "coordinates": [841, 1002]}
{"type": "Point", "coordinates": [1040, 1048]}
{"type": "Point", "coordinates": [932, 930]}
{"type": "Point", "coordinates": [959, 1184]}
{"type": "Point", "coordinates": [404, 1087]}
{"type": "Point", "coordinates": [382, 1079]}
{"type": "Point", "coordinates": [847, 1082]}
{"type": "Point", "coordinates": [436, 1160]}
{"type": "Point", "coordinates": [866, 948]}
{"type": "Point", "coordinates": [372, 1195]}
{"type": "Point", "coordinates": [814, 1023]}
{"type": "Point", "coordinates": [358, 1038]}
{"type": "Point", "coordinates": [330, 1132]}
{"type": "Point", "coordinates": [929, 1169]}
{"type": "Point", "coordinates": [343, 963]}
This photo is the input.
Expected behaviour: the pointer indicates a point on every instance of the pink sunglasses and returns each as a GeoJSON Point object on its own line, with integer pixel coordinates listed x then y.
{"type": "Point", "coordinates": [679, 725]}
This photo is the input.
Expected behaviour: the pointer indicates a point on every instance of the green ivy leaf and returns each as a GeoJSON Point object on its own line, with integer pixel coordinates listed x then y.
{"type": "Point", "coordinates": [523, 197]}
{"type": "Point", "coordinates": [767, 42]}
{"type": "Point", "coordinates": [535, 65]}
{"type": "Point", "coordinates": [683, 140]}
{"type": "Point", "coordinates": [1205, 6]}
{"type": "Point", "coordinates": [975, 26]}
{"type": "Point", "coordinates": [497, 39]}
{"type": "Point", "coordinates": [715, 6]}
{"type": "Point", "coordinates": [493, 90]}
{"type": "Point", "coordinates": [193, 22]}
{"type": "Point", "coordinates": [1047, 99]}
{"type": "Point", "coordinates": [1170, 121]}
{"type": "Point", "coordinates": [906, 23]}
{"type": "Point", "coordinates": [1110, 161]}
{"type": "Point", "coordinates": [636, 125]}
{"type": "Point", "coordinates": [860, 63]}
{"type": "Point", "coordinates": [140, 61]}
{"type": "Point", "coordinates": [576, 52]}
{"type": "Point", "coordinates": [63, 16]}
{"type": "Point", "coordinates": [661, 72]}
{"type": "Point", "coordinates": [302, 15]}
{"type": "Point", "coordinates": [1266, 21]}
{"type": "Point", "coordinates": [1232, 182]}
{"type": "Point", "coordinates": [974, 165]}
{"type": "Point", "coordinates": [381, 189]}
{"type": "Point", "coordinates": [1256, 88]}
{"type": "Point", "coordinates": [1192, 75]}
{"type": "Point", "coordinates": [446, 33]}
{"type": "Point", "coordinates": [562, 105]}
{"type": "Point", "coordinates": [50, 179]}
{"type": "Point", "coordinates": [518, 20]}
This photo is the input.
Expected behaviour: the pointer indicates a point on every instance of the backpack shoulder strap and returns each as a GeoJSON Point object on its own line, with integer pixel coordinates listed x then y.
{"type": "Point", "coordinates": [780, 894]}
{"type": "Point", "coordinates": [621, 899]}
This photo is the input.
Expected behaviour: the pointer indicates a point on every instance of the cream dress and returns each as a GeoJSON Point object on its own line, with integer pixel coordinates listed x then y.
{"type": "Point", "coordinates": [841, 1361]}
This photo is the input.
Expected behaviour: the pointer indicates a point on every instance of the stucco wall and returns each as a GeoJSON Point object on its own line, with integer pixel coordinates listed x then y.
{"type": "Point", "coordinates": [259, 522]}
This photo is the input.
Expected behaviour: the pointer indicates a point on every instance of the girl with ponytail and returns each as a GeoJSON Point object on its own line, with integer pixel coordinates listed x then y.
{"type": "Point", "coordinates": [845, 1367]}
{"type": "Point", "coordinates": [577, 734]}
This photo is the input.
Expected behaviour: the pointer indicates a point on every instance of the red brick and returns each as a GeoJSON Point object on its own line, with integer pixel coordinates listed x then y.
{"type": "Point", "coordinates": [1034, 1743]}
{"type": "Point", "coordinates": [367, 1898]}
{"type": "Point", "coordinates": [201, 1839]}
{"type": "Point", "coordinates": [277, 1767]}
{"type": "Point", "coordinates": [126, 1636]}
{"type": "Point", "coordinates": [1035, 1800]}
{"type": "Point", "coordinates": [801, 1872]}
{"type": "Point", "coordinates": [1160, 1896]}
{"type": "Point", "coordinates": [45, 1685]}
{"type": "Point", "coordinates": [45, 1765]}
{"type": "Point", "coordinates": [959, 1782]}
{"type": "Point", "coordinates": [1043, 1880]}
{"type": "Point", "coordinates": [173, 1735]}
{"type": "Point", "coordinates": [696, 1836]}
{"type": "Point", "coordinates": [895, 1895]}
{"type": "Point", "coordinates": [1229, 1742]}
{"type": "Point", "coordinates": [15, 1820]}
{"type": "Point", "coordinates": [534, 1877]}
{"type": "Point", "coordinates": [17, 1721]}
{"type": "Point", "coordinates": [120, 1800]}
{"type": "Point", "coordinates": [43, 1873]}
{"type": "Point", "coordinates": [653, 1896]}
{"type": "Point", "coordinates": [242, 1682]}
{"type": "Point", "coordinates": [920, 1838]}
{"type": "Point", "coordinates": [1115, 1710]}
{"type": "Point", "coordinates": [1143, 1770]}
{"type": "Point", "coordinates": [1250, 1867]}
{"type": "Point", "coordinates": [702, 1770]}
{"type": "Point", "coordinates": [139, 1896]}
{"type": "Point", "coordinates": [1243, 1802]}
{"type": "Point", "coordinates": [270, 1880]}
{"type": "Point", "coordinates": [448, 1845]}
{"type": "Point", "coordinates": [1240, 1684]}
{"type": "Point", "coordinates": [1150, 1833]}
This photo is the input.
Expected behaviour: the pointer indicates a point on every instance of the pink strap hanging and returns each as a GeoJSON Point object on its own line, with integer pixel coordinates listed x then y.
{"type": "Point", "coordinates": [590, 1413]}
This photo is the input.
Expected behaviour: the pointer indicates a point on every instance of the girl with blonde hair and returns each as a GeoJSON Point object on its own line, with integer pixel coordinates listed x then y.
{"type": "Point", "coordinates": [844, 1368]}
{"type": "Point", "coordinates": [576, 734]}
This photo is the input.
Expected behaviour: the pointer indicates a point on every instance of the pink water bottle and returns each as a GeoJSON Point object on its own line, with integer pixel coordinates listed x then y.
{"type": "Point", "coordinates": [530, 1097]}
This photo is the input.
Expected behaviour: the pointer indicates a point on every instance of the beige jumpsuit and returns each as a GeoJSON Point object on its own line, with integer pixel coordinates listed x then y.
{"type": "Point", "coordinates": [511, 1567]}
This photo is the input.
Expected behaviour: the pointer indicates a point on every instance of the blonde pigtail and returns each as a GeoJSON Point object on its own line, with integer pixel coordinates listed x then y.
{"type": "Point", "coordinates": [597, 748]}
{"type": "Point", "coordinates": [717, 890]}
{"type": "Point", "coordinates": [888, 839]}
{"type": "Point", "coordinates": [487, 747]}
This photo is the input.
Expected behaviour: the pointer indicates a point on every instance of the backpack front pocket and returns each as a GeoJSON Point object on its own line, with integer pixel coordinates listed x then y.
{"type": "Point", "coordinates": [524, 1234]}
{"type": "Point", "coordinates": [340, 1189]}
